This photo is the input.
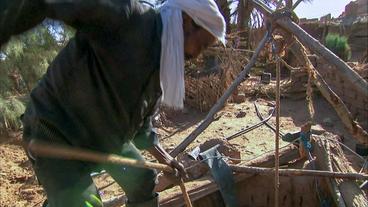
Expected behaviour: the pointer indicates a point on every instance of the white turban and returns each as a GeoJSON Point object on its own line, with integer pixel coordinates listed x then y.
{"type": "Point", "coordinates": [206, 14]}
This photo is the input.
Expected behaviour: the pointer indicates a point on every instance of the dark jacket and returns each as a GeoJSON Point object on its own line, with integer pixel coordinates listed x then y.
{"type": "Point", "coordinates": [102, 88]}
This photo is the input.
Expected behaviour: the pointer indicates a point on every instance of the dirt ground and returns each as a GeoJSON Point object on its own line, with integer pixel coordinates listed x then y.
{"type": "Point", "coordinates": [19, 187]}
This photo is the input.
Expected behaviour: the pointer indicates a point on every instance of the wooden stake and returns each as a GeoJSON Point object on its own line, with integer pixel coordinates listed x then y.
{"type": "Point", "coordinates": [185, 193]}
{"type": "Point", "coordinates": [277, 133]}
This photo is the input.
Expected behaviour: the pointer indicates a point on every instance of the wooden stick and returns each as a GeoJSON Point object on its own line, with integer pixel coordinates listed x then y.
{"type": "Point", "coordinates": [277, 133]}
{"type": "Point", "coordinates": [185, 193]}
{"type": "Point", "coordinates": [220, 103]}
{"type": "Point", "coordinates": [299, 172]}
{"type": "Point", "coordinates": [296, 4]}
{"type": "Point", "coordinates": [43, 149]}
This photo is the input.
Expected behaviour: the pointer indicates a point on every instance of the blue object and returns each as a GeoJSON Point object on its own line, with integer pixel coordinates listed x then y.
{"type": "Point", "coordinates": [305, 138]}
{"type": "Point", "coordinates": [222, 174]}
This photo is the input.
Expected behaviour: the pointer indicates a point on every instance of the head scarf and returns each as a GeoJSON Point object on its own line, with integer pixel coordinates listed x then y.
{"type": "Point", "coordinates": [204, 13]}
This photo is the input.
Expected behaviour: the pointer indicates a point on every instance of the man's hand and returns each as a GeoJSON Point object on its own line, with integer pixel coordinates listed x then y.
{"type": "Point", "coordinates": [163, 157]}
{"type": "Point", "coordinates": [179, 168]}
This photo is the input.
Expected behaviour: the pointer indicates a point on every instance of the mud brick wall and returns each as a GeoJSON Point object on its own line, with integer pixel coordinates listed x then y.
{"type": "Point", "coordinates": [356, 102]}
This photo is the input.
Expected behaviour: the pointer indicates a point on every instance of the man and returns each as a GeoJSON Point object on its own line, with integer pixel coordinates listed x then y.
{"type": "Point", "coordinates": [101, 90]}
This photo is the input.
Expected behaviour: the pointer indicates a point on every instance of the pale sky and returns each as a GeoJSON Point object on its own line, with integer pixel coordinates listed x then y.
{"type": "Point", "coordinates": [318, 8]}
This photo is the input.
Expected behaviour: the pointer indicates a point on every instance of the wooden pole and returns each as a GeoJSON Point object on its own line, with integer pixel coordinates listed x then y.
{"type": "Point", "coordinates": [296, 4]}
{"type": "Point", "coordinates": [277, 133]}
{"type": "Point", "coordinates": [220, 103]}
{"type": "Point", "coordinates": [298, 172]}
{"type": "Point", "coordinates": [185, 193]}
{"type": "Point", "coordinates": [43, 149]}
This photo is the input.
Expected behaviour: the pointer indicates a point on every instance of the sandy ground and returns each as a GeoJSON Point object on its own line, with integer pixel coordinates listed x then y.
{"type": "Point", "coordinates": [19, 187]}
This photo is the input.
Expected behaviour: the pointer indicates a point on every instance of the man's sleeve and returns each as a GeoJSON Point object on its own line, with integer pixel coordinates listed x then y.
{"type": "Point", "coordinates": [17, 16]}
{"type": "Point", "coordinates": [146, 136]}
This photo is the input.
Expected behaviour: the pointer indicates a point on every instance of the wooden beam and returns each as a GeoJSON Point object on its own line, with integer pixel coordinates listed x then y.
{"type": "Point", "coordinates": [298, 172]}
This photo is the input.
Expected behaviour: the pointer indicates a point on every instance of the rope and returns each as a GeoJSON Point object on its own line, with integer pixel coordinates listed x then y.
{"type": "Point", "coordinates": [309, 92]}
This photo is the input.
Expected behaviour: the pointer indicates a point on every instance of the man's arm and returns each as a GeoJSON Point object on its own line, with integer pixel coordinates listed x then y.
{"type": "Point", "coordinates": [17, 16]}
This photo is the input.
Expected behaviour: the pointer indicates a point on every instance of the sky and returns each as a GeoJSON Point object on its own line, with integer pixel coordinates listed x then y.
{"type": "Point", "coordinates": [318, 8]}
